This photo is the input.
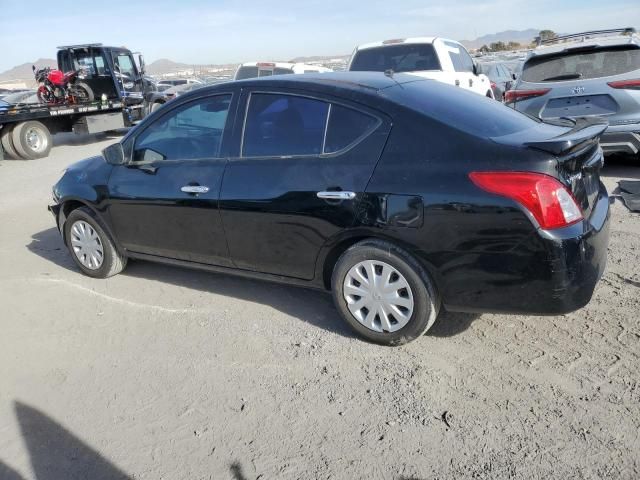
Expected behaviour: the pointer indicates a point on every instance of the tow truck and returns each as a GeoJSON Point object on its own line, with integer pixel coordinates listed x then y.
{"type": "Point", "coordinates": [119, 86]}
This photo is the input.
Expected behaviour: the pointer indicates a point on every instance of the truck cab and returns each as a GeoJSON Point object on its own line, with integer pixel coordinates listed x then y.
{"type": "Point", "coordinates": [109, 71]}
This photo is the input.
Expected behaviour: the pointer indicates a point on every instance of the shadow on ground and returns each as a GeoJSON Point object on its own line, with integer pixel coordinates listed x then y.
{"type": "Point", "coordinates": [73, 139]}
{"type": "Point", "coordinates": [621, 166]}
{"type": "Point", "coordinates": [56, 453]}
{"type": "Point", "coordinates": [312, 306]}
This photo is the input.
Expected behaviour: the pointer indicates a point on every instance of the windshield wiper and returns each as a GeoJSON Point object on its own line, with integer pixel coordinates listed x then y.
{"type": "Point", "coordinates": [566, 76]}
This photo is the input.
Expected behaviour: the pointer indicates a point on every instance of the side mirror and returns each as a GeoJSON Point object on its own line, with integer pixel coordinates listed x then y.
{"type": "Point", "coordinates": [514, 76]}
{"type": "Point", "coordinates": [477, 68]}
{"type": "Point", "coordinates": [141, 62]}
{"type": "Point", "coordinates": [114, 154]}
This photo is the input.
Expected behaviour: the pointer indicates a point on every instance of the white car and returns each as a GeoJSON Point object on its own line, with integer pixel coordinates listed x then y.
{"type": "Point", "coordinates": [266, 69]}
{"type": "Point", "coordinates": [437, 58]}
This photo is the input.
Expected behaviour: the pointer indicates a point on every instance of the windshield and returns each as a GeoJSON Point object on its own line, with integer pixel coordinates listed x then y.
{"type": "Point", "coordinates": [582, 65]}
{"type": "Point", "coordinates": [406, 57]}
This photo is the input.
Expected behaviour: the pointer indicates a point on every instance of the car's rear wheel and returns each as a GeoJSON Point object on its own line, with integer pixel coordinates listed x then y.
{"type": "Point", "coordinates": [91, 248]}
{"type": "Point", "coordinates": [384, 294]}
{"type": "Point", "coordinates": [31, 140]}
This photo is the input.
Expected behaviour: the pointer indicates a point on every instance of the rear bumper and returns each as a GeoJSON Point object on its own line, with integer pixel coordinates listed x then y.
{"type": "Point", "coordinates": [555, 273]}
{"type": "Point", "coordinates": [617, 140]}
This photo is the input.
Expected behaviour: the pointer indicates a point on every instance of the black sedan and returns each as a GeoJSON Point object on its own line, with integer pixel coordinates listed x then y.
{"type": "Point", "coordinates": [399, 195]}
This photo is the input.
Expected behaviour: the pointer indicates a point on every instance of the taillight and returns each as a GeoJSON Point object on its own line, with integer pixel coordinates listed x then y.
{"type": "Point", "coordinates": [626, 84]}
{"type": "Point", "coordinates": [514, 95]}
{"type": "Point", "coordinates": [550, 203]}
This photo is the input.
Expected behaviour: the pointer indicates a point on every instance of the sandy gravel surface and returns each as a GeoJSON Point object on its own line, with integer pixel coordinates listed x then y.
{"type": "Point", "coordinates": [165, 373]}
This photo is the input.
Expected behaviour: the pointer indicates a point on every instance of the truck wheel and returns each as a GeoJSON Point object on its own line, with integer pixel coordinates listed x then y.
{"type": "Point", "coordinates": [7, 142]}
{"type": "Point", "coordinates": [31, 140]}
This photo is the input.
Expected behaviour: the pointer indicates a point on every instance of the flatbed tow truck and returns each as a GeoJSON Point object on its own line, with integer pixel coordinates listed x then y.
{"type": "Point", "coordinates": [119, 89]}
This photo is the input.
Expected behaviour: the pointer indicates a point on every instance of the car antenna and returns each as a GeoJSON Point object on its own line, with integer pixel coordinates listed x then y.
{"type": "Point", "coordinates": [389, 73]}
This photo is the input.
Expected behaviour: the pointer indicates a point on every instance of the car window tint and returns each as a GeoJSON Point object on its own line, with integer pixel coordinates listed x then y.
{"type": "Point", "coordinates": [406, 57]}
{"type": "Point", "coordinates": [191, 131]}
{"type": "Point", "coordinates": [282, 125]}
{"type": "Point", "coordinates": [345, 127]}
{"type": "Point", "coordinates": [582, 65]}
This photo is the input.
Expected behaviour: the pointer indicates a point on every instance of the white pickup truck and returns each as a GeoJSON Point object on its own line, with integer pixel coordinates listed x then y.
{"type": "Point", "coordinates": [437, 58]}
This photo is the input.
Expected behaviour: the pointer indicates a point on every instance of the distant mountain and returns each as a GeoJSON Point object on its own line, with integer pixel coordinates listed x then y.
{"type": "Point", "coordinates": [164, 65]}
{"type": "Point", "coordinates": [24, 72]}
{"type": "Point", "coordinates": [520, 36]}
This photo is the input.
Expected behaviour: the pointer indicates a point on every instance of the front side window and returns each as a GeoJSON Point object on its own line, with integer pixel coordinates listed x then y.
{"type": "Point", "coordinates": [284, 125]}
{"type": "Point", "coordinates": [124, 66]}
{"type": "Point", "coordinates": [188, 132]}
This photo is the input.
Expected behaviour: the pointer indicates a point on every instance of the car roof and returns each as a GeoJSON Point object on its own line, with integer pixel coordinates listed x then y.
{"type": "Point", "coordinates": [401, 41]}
{"type": "Point", "coordinates": [354, 81]}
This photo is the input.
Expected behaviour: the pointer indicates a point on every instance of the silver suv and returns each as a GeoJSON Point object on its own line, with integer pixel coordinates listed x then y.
{"type": "Point", "coordinates": [586, 74]}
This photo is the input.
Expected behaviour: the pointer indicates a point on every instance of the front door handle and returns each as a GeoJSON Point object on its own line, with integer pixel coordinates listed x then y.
{"type": "Point", "coordinates": [194, 189]}
{"type": "Point", "coordinates": [338, 195]}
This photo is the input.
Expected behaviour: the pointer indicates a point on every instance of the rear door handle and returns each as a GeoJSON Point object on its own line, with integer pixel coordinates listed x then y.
{"type": "Point", "coordinates": [336, 195]}
{"type": "Point", "coordinates": [195, 189]}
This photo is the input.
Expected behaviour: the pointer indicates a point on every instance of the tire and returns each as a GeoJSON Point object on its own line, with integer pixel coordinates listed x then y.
{"type": "Point", "coordinates": [421, 291]}
{"type": "Point", "coordinates": [7, 142]}
{"type": "Point", "coordinates": [112, 262]}
{"type": "Point", "coordinates": [83, 92]}
{"type": "Point", "coordinates": [31, 140]}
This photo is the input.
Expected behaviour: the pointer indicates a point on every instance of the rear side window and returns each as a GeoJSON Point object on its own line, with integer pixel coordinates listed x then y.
{"type": "Point", "coordinates": [345, 127]}
{"type": "Point", "coordinates": [284, 125]}
{"type": "Point", "coordinates": [582, 65]}
{"type": "Point", "coordinates": [406, 57]}
{"type": "Point", "coordinates": [459, 57]}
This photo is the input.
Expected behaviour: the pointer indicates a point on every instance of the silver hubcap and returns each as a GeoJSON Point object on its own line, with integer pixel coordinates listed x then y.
{"type": "Point", "coordinates": [378, 296]}
{"type": "Point", "coordinates": [35, 140]}
{"type": "Point", "coordinates": [86, 245]}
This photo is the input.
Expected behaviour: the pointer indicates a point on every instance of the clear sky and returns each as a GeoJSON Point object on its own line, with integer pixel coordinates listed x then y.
{"type": "Point", "coordinates": [225, 31]}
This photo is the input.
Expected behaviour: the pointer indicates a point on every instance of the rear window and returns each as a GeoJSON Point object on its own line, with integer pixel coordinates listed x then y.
{"type": "Point", "coordinates": [466, 111]}
{"type": "Point", "coordinates": [582, 65]}
{"type": "Point", "coordinates": [406, 57]}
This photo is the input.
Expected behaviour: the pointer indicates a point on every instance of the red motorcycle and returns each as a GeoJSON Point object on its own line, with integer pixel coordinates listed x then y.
{"type": "Point", "coordinates": [56, 87]}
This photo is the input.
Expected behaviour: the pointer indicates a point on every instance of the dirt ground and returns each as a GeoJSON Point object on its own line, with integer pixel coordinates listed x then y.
{"type": "Point", "coordinates": [166, 373]}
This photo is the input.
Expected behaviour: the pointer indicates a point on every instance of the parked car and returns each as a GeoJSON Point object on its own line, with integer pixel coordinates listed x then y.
{"type": "Point", "coordinates": [500, 76]}
{"type": "Point", "coordinates": [267, 69]}
{"type": "Point", "coordinates": [399, 195]}
{"type": "Point", "coordinates": [437, 58]}
{"type": "Point", "coordinates": [158, 99]}
{"type": "Point", "coordinates": [586, 74]}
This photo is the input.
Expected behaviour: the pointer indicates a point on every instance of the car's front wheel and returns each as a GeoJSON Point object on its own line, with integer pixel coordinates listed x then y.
{"type": "Point", "coordinates": [91, 248]}
{"type": "Point", "coordinates": [384, 294]}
